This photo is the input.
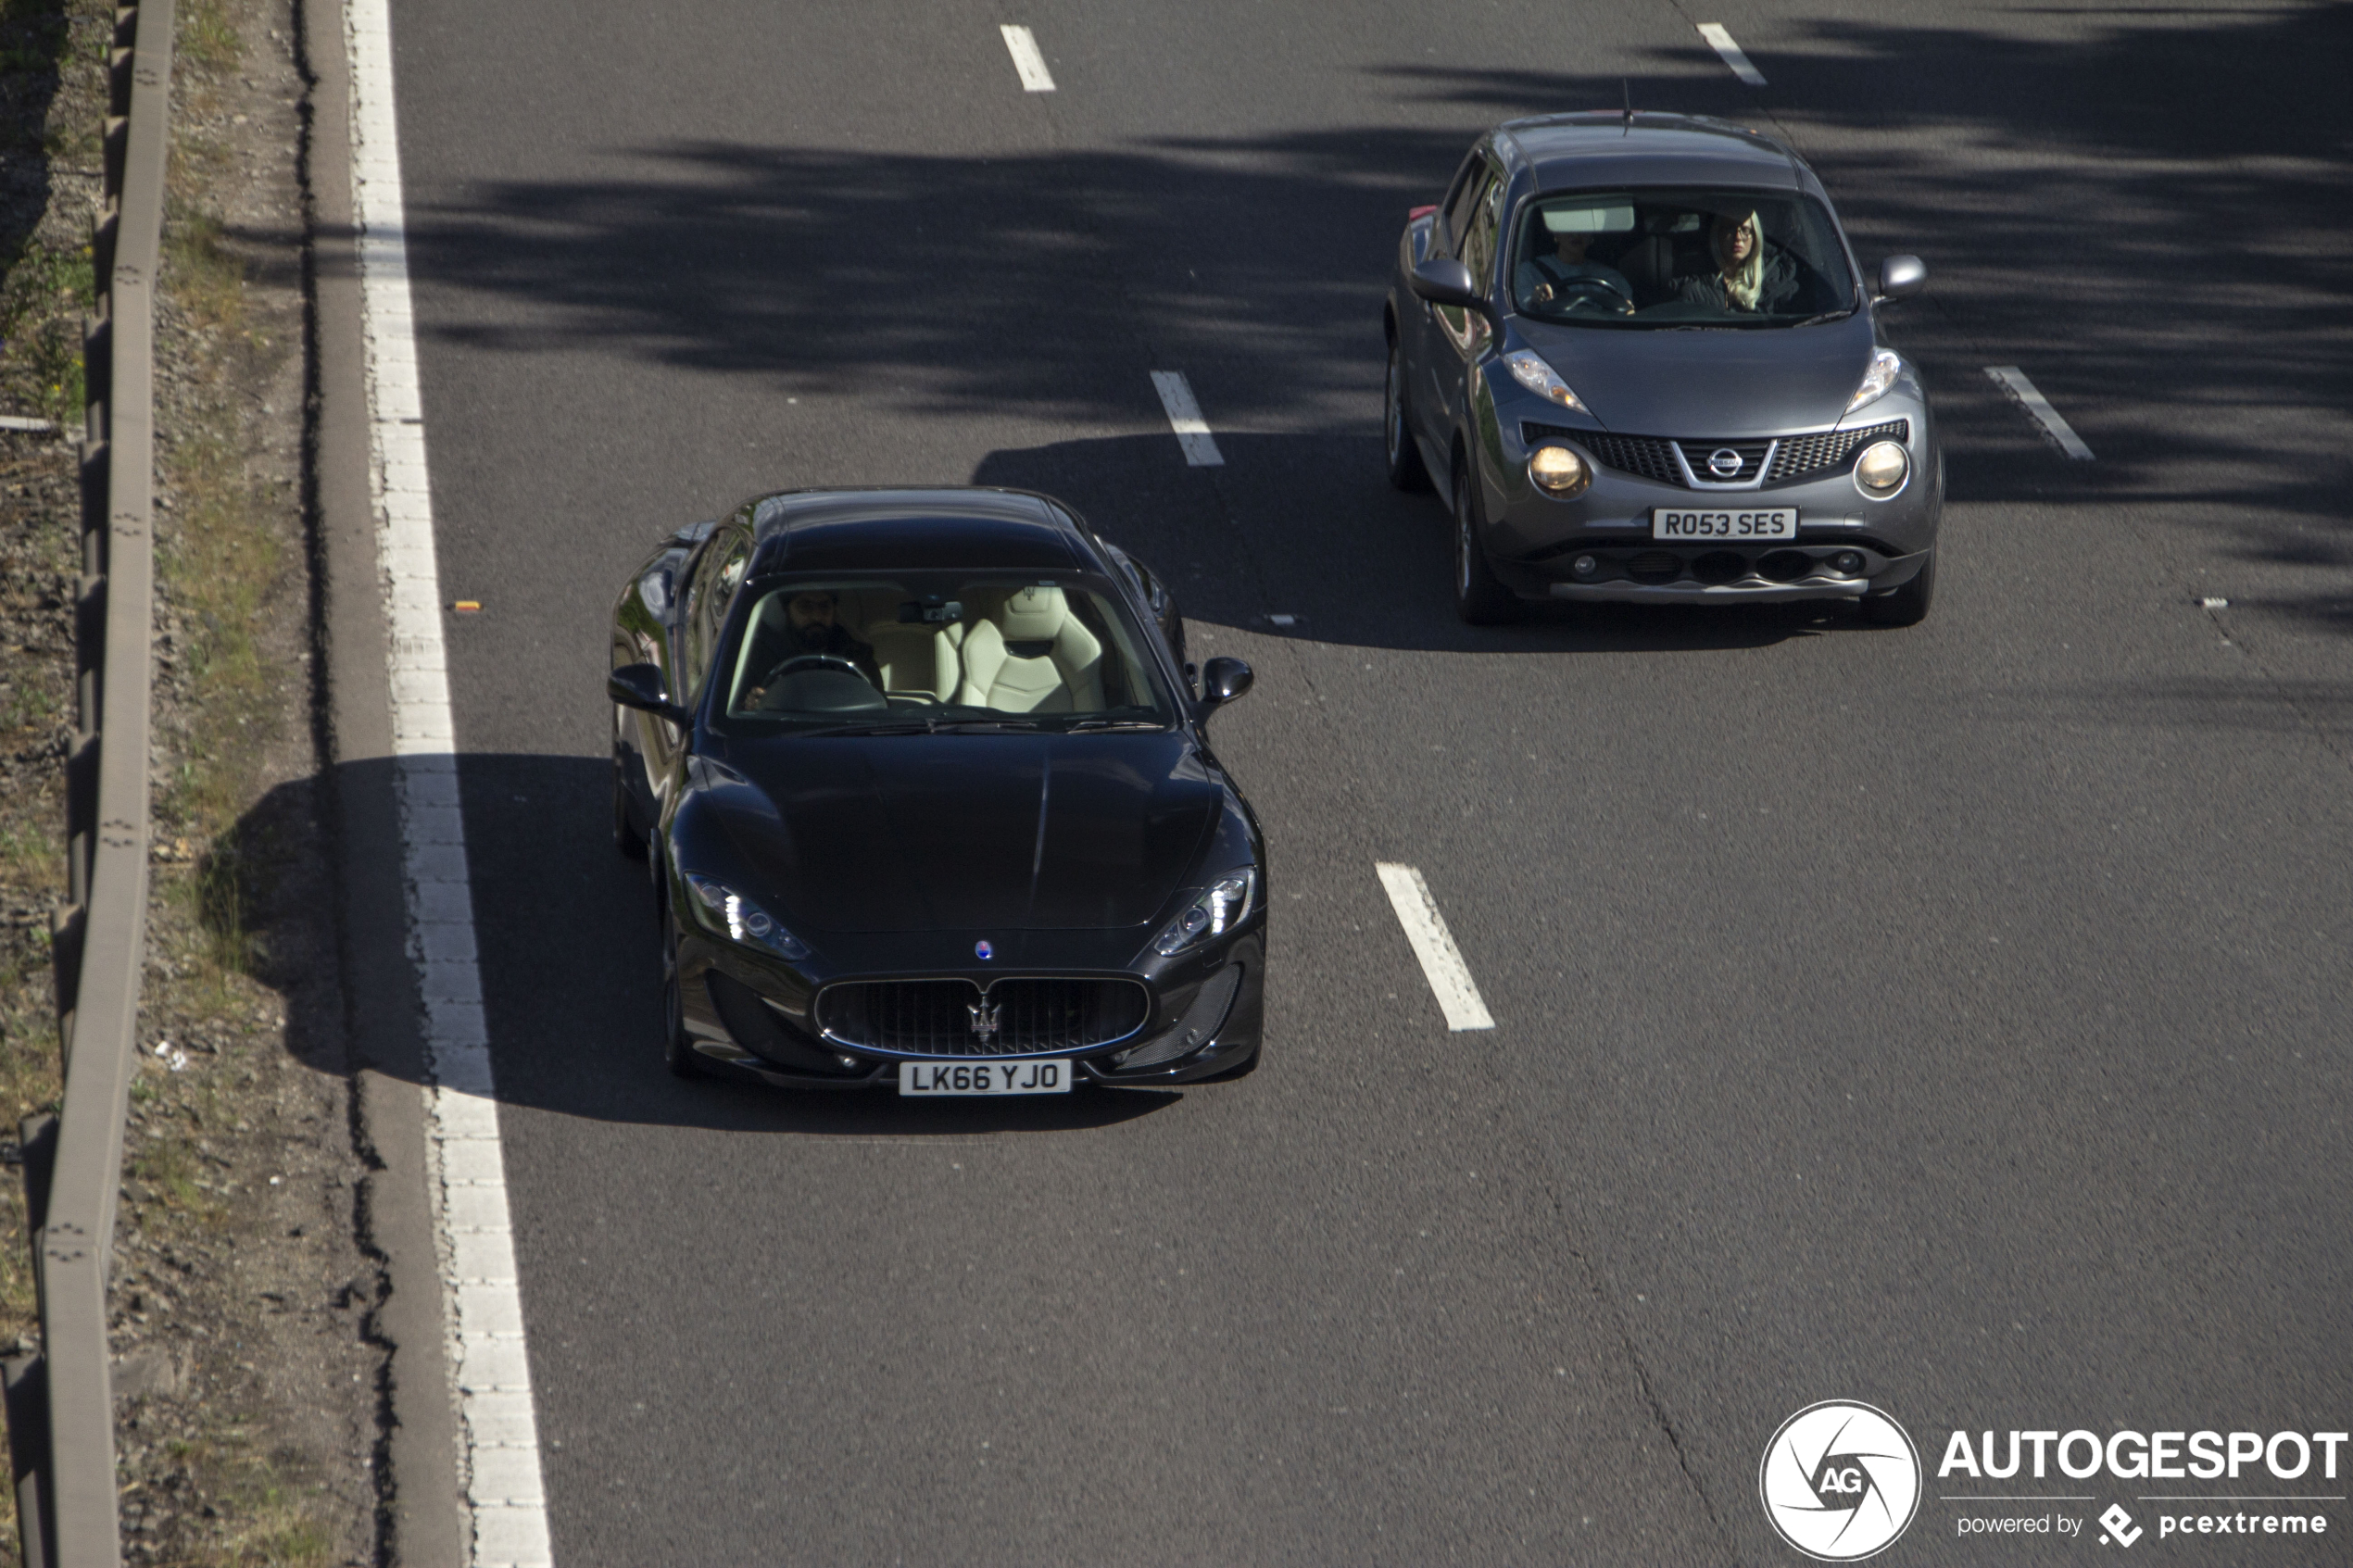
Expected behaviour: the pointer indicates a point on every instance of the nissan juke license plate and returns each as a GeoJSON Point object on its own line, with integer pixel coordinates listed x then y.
{"type": "Point", "coordinates": [1691, 525]}
{"type": "Point", "coordinates": [985, 1077]}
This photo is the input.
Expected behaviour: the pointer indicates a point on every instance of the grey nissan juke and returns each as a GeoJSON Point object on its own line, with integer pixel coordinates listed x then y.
{"type": "Point", "coordinates": [1637, 353]}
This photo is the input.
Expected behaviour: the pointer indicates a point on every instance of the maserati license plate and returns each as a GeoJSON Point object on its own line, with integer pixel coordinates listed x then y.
{"type": "Point", "coordinates": [985, 1077]}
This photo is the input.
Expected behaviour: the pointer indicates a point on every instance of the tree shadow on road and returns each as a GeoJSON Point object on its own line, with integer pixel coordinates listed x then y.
{"type": "Point", "coordinates": [2146, 208]}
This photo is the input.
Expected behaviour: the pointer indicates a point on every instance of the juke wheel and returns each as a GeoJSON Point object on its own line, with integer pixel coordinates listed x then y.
{"type": "Point", "coordinates": [1407, 470]}
{"type": "Point", "coordinates": [1480, 598]}
{"type": "Point", "coordinates": [1907, 606]}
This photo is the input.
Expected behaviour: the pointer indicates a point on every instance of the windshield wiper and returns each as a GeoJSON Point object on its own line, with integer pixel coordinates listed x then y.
{"type": "Point", "coordinates": [1826, 316]}
{"type": "Point", "coordinates": [893, 727]}
{"type": "Point", "coordinates": [1077, 724]}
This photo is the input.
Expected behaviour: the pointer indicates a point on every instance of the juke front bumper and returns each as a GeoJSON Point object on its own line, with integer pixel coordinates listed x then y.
{"type": "Point", "coordinates": [1597, 546]}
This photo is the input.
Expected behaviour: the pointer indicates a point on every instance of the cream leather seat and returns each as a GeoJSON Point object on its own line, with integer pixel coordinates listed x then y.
{"type": "Point", "coordinates": [914, 660]}
{"type": "Point", "coordinates": [1028, 654]}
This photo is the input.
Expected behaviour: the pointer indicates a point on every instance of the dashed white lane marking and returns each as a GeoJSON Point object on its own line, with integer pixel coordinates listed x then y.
{"type": "Point", "coordinates": [1028, 60]}
{"type": "Point", "coordinates": [1721, 41]}
{"type": "Point", "coordinates": [473, 1233]}
{"type": "Point", "coordinates": [1434, 945]}
{"type": "Point", "coordinates": [1184, 417]}
{"type": "Point", "coordinates": [2012, 379]}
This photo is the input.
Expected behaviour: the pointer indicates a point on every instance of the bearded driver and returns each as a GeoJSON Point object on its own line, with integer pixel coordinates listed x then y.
{"type": "Point", "coordinates": [811, 629]}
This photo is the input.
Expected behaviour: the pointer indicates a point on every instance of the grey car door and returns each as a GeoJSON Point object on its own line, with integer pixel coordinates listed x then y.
{"type": "Point", "coordinates": [1465, 335]}
{"type": "Point", "coordinates": [1432, 355]}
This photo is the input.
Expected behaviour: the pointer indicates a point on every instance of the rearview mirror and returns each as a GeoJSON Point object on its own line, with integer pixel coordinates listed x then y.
{"type": "Point", "coordinates": [1223, 680]}
{"type": "Point", "coordinates": [641, 686]}
{"type": "Point", "coordinates": [1900, 277]}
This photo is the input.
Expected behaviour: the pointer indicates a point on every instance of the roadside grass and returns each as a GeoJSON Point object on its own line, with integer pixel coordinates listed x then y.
{"type": "Point", "coordinates": [262, 1521]}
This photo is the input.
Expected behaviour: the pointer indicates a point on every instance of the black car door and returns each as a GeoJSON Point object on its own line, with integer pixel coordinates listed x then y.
{"type": "Point", "coordinates": [694, 634]}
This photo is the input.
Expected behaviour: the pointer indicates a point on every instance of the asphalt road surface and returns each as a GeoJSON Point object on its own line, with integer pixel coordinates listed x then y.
{"type": "Point", "coordinates": [1952, 1019]}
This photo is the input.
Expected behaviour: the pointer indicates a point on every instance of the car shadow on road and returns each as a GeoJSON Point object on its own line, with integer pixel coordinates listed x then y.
{"type": "Point", "coordinates": [565, 941]}
{"type": "Point", "coordinates": [1305, 526]}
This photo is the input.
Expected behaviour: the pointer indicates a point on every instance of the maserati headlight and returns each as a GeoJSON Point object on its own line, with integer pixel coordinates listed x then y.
{"type": "Point", "coordinates": [728, 912]}
{"type": "Point", "coordinates": [1217, 910]}
{"type": "Point", "coordinates": [1886, 365]}
{"type": "Point", "coordinates": [1528, 369]}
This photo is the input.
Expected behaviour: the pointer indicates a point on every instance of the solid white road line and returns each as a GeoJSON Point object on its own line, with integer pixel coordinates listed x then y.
{"type": "Point", "coordinates": [2012, 379]}
{"type": "Point", "coordinates": [1184, 417]}
{"type": "Point", "coordinates": [1022, 46]}
{"type": "Point", "coordinates": [482, 1308]}
{"type": "Point", "coordinates": [1721, 41]}
{"type": "Point", "coordinates": [1434, 944]}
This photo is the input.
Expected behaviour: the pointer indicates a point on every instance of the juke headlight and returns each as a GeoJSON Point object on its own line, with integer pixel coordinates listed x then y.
{"type": "Point", "coordinates": [1219, 909]}
{"type": "Point", "coordinates": [1882, 470]}
{"type": "Point", "coordinates": [1558, 472]}
{"type": "Point", "coordinates": [728, 913]}
{"type": "Point", "coordinates": [1886, 365]}
{"type": "Point", "coordinates": [1528, 369]}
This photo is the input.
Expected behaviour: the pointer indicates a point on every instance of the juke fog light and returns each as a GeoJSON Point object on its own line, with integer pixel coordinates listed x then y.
{"type": "Point", "coordinates": [1847, 563]}
{"type": "Point", "coordinates": [1585, 566]}
{"type": "Point", "coordinates": [1559, 472]}
{"type": "Point", "coordinates": [1880, 472]}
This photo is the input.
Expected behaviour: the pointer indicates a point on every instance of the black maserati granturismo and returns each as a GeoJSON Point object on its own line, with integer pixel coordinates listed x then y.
{"type": "Point", "coordinates": [924, 782]}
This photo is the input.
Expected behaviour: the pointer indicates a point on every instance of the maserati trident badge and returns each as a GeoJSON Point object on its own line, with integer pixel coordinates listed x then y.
{"type": "Point", "coordinates": [984, 1019]}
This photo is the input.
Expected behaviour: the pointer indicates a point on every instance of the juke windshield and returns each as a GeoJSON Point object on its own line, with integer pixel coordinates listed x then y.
{"type": "Point", "coordinates": [928, 652]}
{"type": "Point", "coordinates": [1638, 259]}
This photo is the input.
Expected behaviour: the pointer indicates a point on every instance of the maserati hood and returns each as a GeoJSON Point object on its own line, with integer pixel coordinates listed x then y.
{"type": "Point", "coordinates": [970, 833]}
{"type": "Point", "coordinates": [1710, 383]}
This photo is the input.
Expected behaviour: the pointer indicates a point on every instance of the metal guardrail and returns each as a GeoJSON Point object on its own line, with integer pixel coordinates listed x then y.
{"type": "Point", "coordinates": [61, 1404]}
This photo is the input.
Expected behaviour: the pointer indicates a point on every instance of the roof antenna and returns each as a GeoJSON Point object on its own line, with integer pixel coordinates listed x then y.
{"type": "Point", "coordinates": [1627, 87]}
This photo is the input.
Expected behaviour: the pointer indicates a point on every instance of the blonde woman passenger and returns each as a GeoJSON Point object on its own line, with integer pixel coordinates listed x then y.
{"type": "Point", "coordinates": [1750, 278]}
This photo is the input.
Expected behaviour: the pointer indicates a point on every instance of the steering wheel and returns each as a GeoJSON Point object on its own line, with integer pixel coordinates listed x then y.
{"type": "Point", "coordinates": [816, 661]}
{"type": "Point", "coordinates": [1604, 292]}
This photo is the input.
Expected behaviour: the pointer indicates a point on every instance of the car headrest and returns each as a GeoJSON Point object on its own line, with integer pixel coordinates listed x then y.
{"type": "Point", "coordinates": [1032, 615]}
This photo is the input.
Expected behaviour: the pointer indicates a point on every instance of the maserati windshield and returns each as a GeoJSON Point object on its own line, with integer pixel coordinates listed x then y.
{"type": "Point", "coordinates": [928, 652]}
{"type": "Point", "coordinates": [1679, 257]}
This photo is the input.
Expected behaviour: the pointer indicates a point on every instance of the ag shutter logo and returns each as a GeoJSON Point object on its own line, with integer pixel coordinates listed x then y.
{"type": "Point", "coordinates": [1840, 1481]}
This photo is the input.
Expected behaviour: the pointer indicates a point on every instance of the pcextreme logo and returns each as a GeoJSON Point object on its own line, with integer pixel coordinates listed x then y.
{"type": "Point", "coordinates": [1840, 1481]}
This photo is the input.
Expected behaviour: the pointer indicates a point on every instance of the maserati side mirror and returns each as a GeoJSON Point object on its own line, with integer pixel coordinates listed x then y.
{"type": "Point", "coordinates": [641, 686]}
{"type": "Point", "coordinates": [1223, 680]}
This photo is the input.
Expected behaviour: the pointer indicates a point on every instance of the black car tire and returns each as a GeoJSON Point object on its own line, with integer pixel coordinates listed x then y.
{"type": "Point", "coordinates": [1907, 606]}
{"type": "Point", "coordinates": [1407, 469]}
{"type": "Point", "coordinates": [1480, 598]}
{"type": "Point", "coordinates": [625, 836]}
{"type": "Point", "coordinates": [678, 1051]}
